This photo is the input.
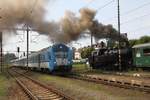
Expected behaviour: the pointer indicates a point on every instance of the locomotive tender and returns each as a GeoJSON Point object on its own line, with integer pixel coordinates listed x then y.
{"type": "Point", "coordinates": [54, 58]}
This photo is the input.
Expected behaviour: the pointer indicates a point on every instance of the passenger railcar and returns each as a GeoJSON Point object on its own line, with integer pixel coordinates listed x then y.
{"type": "Point", "coordinates": [55, 58]}
{"type": "Point", "coordinates": [141, 55]}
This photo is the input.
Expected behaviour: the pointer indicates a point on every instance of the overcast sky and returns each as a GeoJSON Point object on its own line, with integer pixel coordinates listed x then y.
{"type": "Point", "coordinates": [135, 20]}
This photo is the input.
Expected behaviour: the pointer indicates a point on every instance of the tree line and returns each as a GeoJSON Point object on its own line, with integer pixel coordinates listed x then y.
{"type": "Point", "coordinates": [143, 39]}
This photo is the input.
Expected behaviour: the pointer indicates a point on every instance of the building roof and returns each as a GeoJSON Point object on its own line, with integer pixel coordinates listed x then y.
{"type": "Point", "coordinates": [142, 45]}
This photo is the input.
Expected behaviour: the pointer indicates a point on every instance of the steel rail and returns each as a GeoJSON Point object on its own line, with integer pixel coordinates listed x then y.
{"type": "Point", "coordinates": [116, 83]}
{"type": "Point", "coordinates": [26, 90]}
{"type": "Point", "coordinates": [59, 93]}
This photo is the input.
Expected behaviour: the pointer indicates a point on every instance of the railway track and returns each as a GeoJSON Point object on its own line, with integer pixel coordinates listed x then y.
{"type": "Point", "coordinates": [36, 90]}
{"type": "Point", "coordinates": [137, 75]}
{"type": "Point", "coordinates": [113, 82]}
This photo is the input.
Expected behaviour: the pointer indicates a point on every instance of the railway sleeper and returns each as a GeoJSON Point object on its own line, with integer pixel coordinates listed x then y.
{"type": "Point", "coordinates": [126, 85]}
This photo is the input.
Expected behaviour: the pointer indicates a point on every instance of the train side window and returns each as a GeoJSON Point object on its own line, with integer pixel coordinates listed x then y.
{"type": "Point", "coordinates": [138, 54]}
{"type": "Point", "coordinates": [49, 55]}
{"type": "Point", "coordinates": [43, 57]}
{"type": "Point", "coordinates": [146, 52]}
{"type": "Point", "coordinates": [40, 57]}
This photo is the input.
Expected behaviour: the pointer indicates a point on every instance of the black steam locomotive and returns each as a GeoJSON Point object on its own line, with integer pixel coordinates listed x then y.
{"type": "Point", "coordinates": [108, 59]}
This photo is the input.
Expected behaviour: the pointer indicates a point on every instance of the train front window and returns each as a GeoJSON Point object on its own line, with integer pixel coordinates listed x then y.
{"type": "Point", "coordinates": [61, 54]}
{"type": "Point", "coordinates": [60, 51]}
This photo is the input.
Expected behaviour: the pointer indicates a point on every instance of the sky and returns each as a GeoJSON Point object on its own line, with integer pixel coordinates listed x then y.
{"type": "Point", "coordinates": [135, 20]}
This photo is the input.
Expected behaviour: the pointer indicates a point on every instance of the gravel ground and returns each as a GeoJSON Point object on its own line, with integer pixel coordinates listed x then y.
{"type": "Point", "coordinates": [122, 78]}
{"type": "Point", "coordinates": [82, 90]}
{"type": "Point", "coordinates": [16, 93]}
{"type": "Point", "coordinates": [9, 89]}
{"type": "Point", "coordinates": [138, 74]}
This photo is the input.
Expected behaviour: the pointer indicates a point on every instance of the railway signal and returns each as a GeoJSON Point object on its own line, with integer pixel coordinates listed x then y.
{"type": "Point", "coordinates": [18, 50]}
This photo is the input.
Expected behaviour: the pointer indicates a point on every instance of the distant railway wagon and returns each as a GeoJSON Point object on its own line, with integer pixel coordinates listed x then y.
{"type": "Point", "coordinates": [55, 58]}
{"type": "Point", "coordinates": [141, 55]}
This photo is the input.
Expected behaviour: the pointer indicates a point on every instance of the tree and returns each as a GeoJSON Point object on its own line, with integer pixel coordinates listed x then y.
{"type": "Point", "coordinates": [143, 39]}
{"type": "Point", "coordinates": [133, 42]}
{"type": "Point", "coordinates": [86, 52]}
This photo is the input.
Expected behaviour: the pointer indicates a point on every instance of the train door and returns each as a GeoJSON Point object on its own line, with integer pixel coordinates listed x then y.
{"type": "Point", "coordinates": [146, 57]}
{"type": "Point", "coordinates": [51, 60]}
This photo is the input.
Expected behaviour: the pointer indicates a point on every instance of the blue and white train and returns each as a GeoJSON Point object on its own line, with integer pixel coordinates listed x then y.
{"type": "Point", "coordinates": [54, 58]}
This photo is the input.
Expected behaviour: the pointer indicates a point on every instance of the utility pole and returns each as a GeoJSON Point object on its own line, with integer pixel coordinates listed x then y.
{"type": "Point", "coordinates": [1, 55]}
{"type": "Point", "coordinates": [1, 44]}
{"type": "Point", "coordinates": [119, 52]}
{"type": "Point", "coordinates": [27, 46]}
{"type": "Point", "coordinates": [91, 40]}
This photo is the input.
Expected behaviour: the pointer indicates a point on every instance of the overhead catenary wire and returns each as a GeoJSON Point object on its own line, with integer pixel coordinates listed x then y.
{"type": "Point", "coordinates": [105, 5]}
{"type": "Point", "coordinates": [129, 11]}
{"type": "Point", "coordinates": [22, 40]}
{"type": "Point", "coordinates": [89, 3]}
{"type": "Point", "coordinates": [34, 39]}
{"type": "Point", "coordinates": [139, 29]}
{"type": "Point", "coordinates": [136, 18]}
{"type": "Point", "coordinates": [135, 9]}
{"type": "Point", "coordinates": [101, 7]}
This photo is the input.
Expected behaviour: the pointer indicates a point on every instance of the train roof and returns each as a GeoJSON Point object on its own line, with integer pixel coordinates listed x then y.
{"type": "Point", "coordinates": [142, 45]}
{"type": "Point", "coordinates": [38, 52]}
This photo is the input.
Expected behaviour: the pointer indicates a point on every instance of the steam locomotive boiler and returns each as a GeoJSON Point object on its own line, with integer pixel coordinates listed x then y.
{"type": "Point", "coordinates": [108, 59]}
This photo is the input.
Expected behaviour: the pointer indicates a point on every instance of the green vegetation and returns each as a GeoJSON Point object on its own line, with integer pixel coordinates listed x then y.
{"type": "Point", "coordinates": [3, 86]}
{"type": "Point", "coordinates": [85, 52]}
{"type": "Point", "coordinates": [144, 39]}
{"type": "Point", "coordinates": [80, 67]}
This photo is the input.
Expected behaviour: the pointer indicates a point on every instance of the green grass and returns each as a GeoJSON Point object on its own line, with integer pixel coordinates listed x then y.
{"type": "Point", "coordinates": [3, 86]}
{"type": "Point", "coordinates": [83, 68]}
{"type": "Point", "coordinates": [79, 66]}
{"type": "Point", "coordinates": [82, 89]}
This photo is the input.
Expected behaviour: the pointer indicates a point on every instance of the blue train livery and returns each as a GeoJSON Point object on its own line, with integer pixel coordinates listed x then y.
{"type": "Point", "coordinates": [54, 58]}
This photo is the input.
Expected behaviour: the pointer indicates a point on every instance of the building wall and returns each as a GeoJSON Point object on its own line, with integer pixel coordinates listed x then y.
{"type": "Point", "coordinates": [77, 55]}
